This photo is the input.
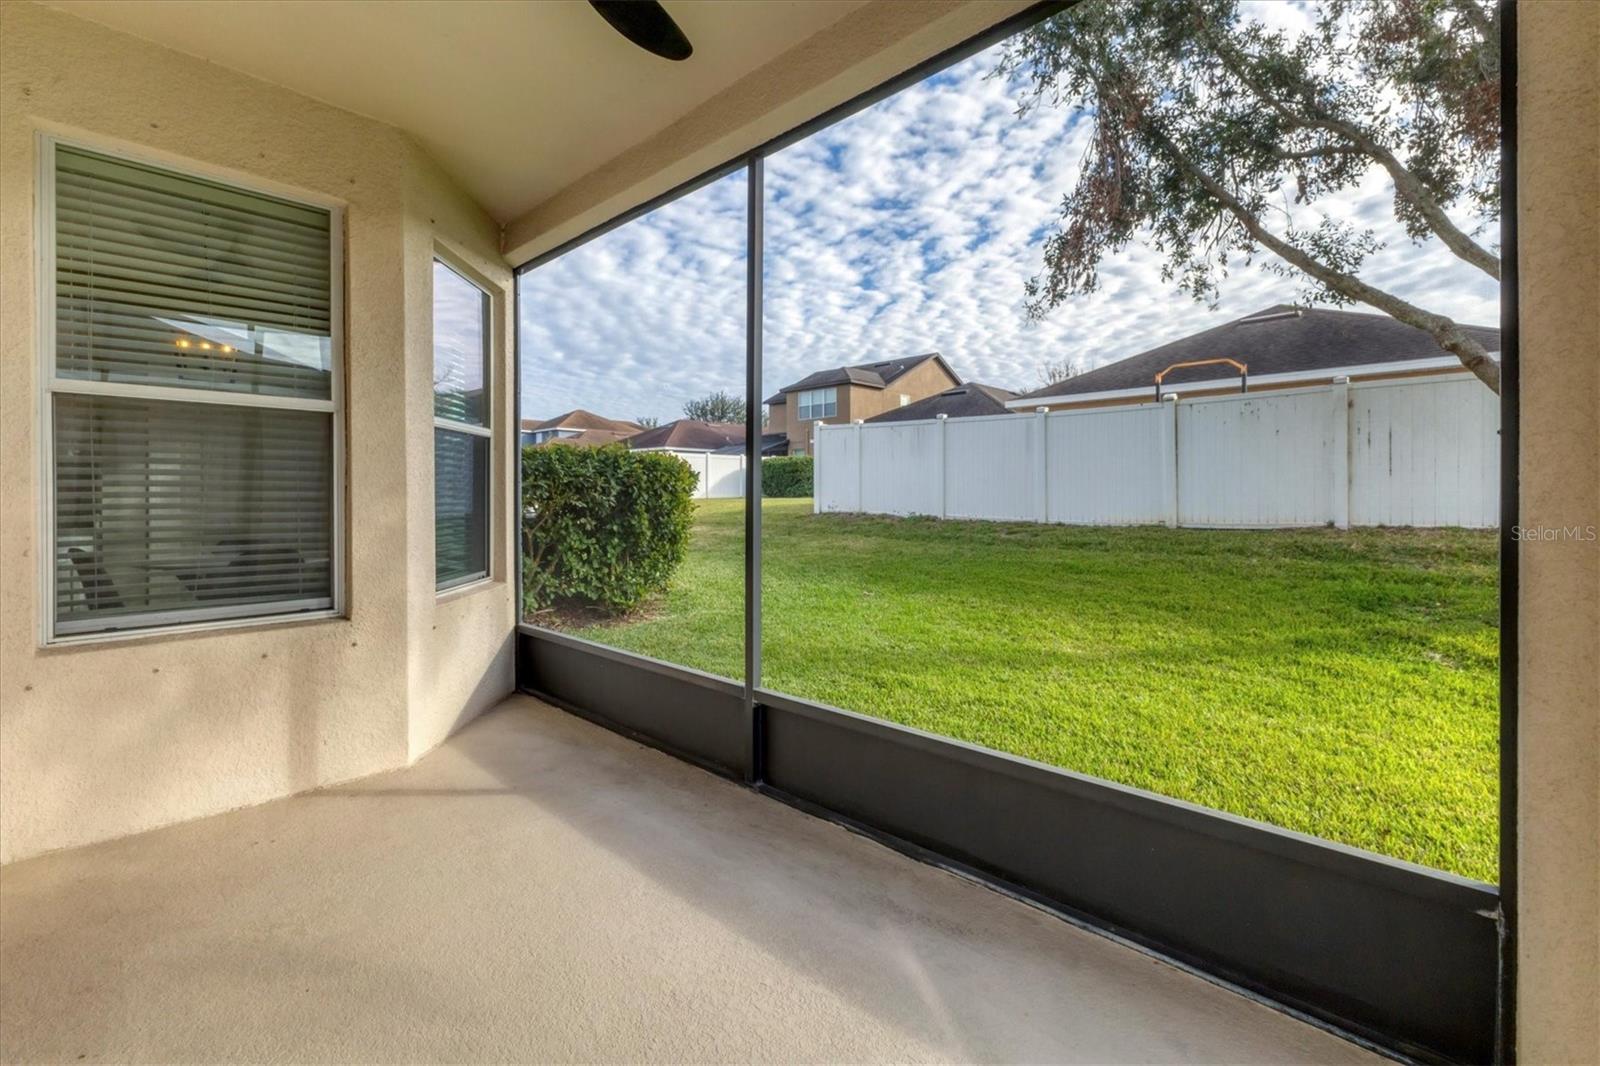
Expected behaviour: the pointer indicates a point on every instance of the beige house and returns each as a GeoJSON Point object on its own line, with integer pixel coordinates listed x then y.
{"type": "Point", "coordinates": [854, 393]}
{"type": "Point", "coordinates": [279, 799]}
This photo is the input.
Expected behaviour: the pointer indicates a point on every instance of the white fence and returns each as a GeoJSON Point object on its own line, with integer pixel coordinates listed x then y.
{"type": "Point", "coordinates": [721, 476]}
{"type": "Point", "coordinates": [1418, 452]}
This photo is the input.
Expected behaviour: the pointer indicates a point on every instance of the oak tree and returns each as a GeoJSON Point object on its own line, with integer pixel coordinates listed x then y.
{"type": "Point", "coordinates": [1207, 127]}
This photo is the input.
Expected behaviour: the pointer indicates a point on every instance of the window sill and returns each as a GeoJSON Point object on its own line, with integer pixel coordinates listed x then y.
{"type": "Point", "coordinates": [466, 588]}
{"type": "Point", "coordinates": [190, 629]}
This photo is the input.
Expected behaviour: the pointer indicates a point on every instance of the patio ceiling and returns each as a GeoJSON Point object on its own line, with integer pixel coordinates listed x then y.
{"type": "Point", "coordinates": [515, 100]}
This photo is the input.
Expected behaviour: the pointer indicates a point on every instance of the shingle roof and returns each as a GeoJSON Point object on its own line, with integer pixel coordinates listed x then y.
{"type": "Point", "coordinates": [1279, 340]}
{"type": "Point", "coordinates": [590, 438]}
{"type": "Point", "coordinates": [690, 435]}
{"type": "Point", "coordinates": [963, 401]}
{"type": "Point", "coordinates": [871, 375]}
{"type": "Point", "coordinates": [771, 444]}
{"type": "Point", "coordinates": [581, 419]}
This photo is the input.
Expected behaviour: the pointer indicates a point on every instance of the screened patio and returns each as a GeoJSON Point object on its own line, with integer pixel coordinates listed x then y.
{"type": "Point", "coordinates": [288, 773]}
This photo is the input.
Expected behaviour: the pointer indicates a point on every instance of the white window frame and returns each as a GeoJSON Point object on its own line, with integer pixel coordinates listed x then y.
{"type": "Point", "coordinates": [193, 619]}
{"type": "Point", "coordinates": [817, 402]}
{"type": "Point", "coordinates": [491, 397]}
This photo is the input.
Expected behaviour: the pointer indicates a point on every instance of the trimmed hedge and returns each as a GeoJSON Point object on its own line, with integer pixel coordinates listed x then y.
{"type": "Point", "coordinates": [603, 527]}
{"type": "Point", "coordinates": [786, 476]}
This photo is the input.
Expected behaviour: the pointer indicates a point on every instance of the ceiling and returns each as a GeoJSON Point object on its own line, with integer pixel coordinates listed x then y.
{"type": "Point", "coordinates": [515, 98]}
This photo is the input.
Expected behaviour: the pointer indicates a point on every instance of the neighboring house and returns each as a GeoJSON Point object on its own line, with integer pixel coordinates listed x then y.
{"type": "Point", "coordinates": [963, 401]}
{"type": "Point", "coordinates": [589, 438]}
{"type": "Point", "coordinates": [846, 393]}
{"type": "Point", "coordinates": [772, 444]}
{"type": "Point", "coordinates": [1282, 347]}
{"type": "Point", "coordinates": [577, 427]}
{"type": "Point", "coordinates": [689, 435]}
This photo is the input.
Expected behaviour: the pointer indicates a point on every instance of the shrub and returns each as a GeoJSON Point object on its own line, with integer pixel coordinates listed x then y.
{"type": "Point", "coordinates": [603, 527]}
{"type": "Point", "coordinates": [786, 476]}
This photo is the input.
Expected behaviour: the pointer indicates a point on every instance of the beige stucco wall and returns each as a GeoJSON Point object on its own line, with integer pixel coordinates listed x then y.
{"type": "Point", "coordinates": [1558, 144]}
{"type": "Point", "coordinates": [101, 740]}
{"type": "Point", "coordinates": [778, 417]}
{"type": "Point", "coordinates": [461, 658]}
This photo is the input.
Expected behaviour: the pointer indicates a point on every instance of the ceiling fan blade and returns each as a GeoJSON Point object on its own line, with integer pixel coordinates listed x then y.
{"type": "Point", "coordinates": [647, 24]}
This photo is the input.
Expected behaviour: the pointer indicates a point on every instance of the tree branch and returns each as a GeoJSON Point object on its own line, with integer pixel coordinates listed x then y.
{"type": "Point", "coordinates": [1445, 332]}
{"type": "Point", "coordinates": [1450, 336]}
{"type": "Point", "coordinates": [1320, 150]}
{"type": "Point", "coordinates": [1409, 187]}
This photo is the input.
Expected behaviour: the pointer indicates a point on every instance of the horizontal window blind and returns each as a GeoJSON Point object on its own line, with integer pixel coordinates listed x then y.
{"type": "Point", "coordinates": [460, 506]}
{"type": "Point", "coordinates": [163, 279]}
{"type": "Point", "coordinates": [172, 507]}
{"type": "Point", "coordinates": [166, 511]}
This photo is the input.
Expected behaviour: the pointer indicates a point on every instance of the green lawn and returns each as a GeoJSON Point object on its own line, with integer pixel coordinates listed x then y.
{"type": "Point", "coordinates": [1340, 684]}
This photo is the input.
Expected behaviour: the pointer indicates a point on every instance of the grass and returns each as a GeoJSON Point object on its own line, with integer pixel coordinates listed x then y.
{"type": "Point", "coordinates": [1341, 684]}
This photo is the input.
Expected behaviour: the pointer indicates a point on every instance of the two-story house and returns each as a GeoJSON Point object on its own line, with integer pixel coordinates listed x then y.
{"type": "Point", "coordinates": [847, 393]}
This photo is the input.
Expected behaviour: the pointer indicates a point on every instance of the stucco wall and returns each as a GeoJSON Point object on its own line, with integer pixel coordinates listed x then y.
{"type": "Point", "coordinates": [101, 740]}
{"type": "Point", "coordinates": [1558, 951]}
{"type": "Point", "coordinates": [461, 657]}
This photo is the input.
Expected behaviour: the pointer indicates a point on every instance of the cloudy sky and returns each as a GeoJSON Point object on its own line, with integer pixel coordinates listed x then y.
{"type": "Point", "coordinates": [909, 227]}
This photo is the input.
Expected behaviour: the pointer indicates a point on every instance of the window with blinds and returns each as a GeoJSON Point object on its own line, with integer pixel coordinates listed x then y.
{"type": "Point", "coordinates": [461, 429]}
{"type": "Point", "coordinates": [193, 421]}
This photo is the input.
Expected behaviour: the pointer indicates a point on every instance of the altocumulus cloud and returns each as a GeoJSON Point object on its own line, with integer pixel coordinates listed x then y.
{"type": "Point", "coordinates": [909, 227]}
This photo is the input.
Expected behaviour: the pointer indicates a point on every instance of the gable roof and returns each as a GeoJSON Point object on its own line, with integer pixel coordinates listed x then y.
{"type": "Point", "coordinates": [589, 438]}
{"type": "Point", "coordinates": [870, 375]}
{"type": "Point", "coordinates": [581, 419]}
{"type": "Point", "coordinates": [691, 435]}
{"type": "Point", "coordinates": [963, 401]}
{"type": "Point", "coordinates": [1279, 340]}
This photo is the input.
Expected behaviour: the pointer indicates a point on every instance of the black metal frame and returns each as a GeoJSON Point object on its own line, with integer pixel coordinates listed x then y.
{"type": "Point", "coordinates": [1505, 1046]}
{"type": "Point", "coordinates": [755, 260]}
{"type": "Point", "coordinates": [1412, 961]}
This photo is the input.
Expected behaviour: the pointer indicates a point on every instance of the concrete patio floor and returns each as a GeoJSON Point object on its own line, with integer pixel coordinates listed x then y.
{"type": "Point", "coordinates": [541, 889]}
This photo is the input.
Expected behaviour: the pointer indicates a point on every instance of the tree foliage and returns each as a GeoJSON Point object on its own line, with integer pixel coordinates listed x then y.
{"type": "Point", "coordinates": [1055, 373]}
{"type": "Point", "coordinates": [1211, 133]}
{"type": "Point", "coordinates": [647, 421]}
{"type": "Point", "coordinates": [717, 406]}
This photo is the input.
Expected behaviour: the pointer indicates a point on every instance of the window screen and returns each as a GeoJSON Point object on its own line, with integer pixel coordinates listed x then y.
{"type": "Point", "coordinates": [167, 509]}
{"type": "Point", "coordinates": [461, 430]}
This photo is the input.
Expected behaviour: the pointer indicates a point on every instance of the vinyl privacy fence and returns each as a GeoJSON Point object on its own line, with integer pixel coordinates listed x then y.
{"type": "Point", "coordinates": [1419, 452]}
{"type": "Point", "coordinates": [721, 476]}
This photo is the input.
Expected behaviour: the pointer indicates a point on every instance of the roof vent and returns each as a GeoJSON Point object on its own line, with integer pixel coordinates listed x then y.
{"type": "Point", "coordinates": [1273, 317]}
